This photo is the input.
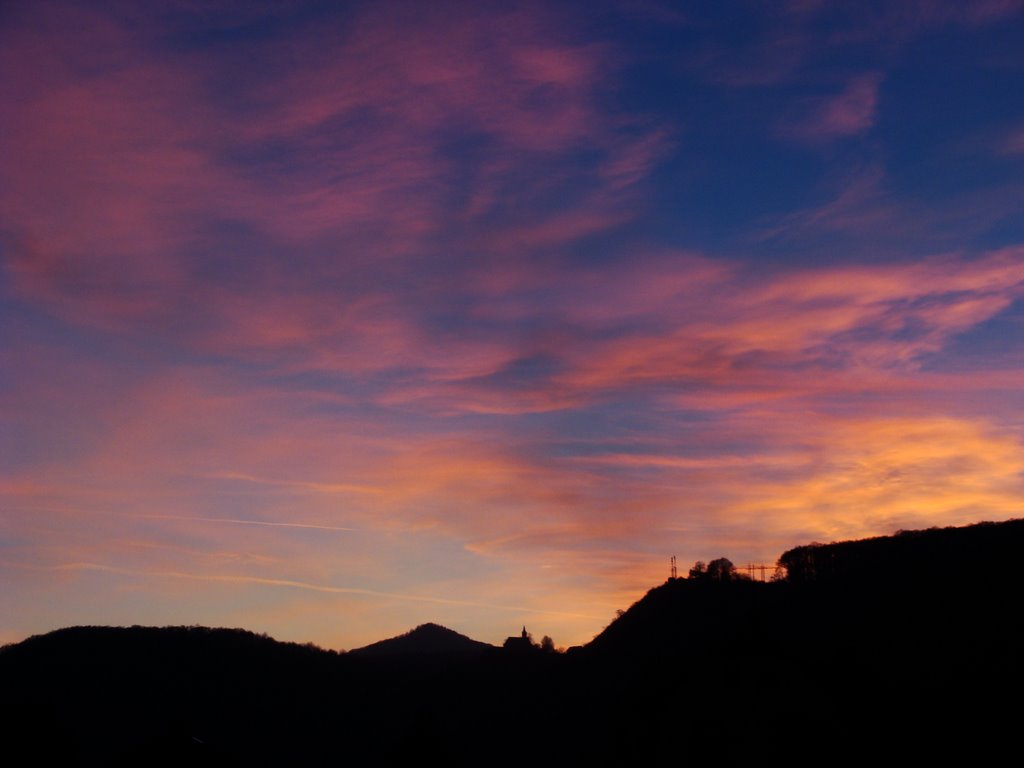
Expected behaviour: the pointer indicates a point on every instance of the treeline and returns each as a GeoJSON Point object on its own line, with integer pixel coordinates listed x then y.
{"type": "Point", "coordinates": [980, 553]}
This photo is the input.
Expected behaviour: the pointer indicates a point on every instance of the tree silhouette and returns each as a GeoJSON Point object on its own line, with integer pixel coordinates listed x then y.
{"type": "Point", "coordinates": [721, 569]}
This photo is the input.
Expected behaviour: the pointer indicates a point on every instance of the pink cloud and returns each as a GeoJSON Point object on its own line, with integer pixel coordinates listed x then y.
{"type": "Point", "coordinates": [120, 178]}
{"type": "Point", "coordinates": [860, 314]}
{"type": "Point", "coordinates": [668, 321]}
{"type": "Point", "coordinates": [1013, 143]}
{"type": "Point", "coordinates": [901, 22]}
{"type": "Point", "coordinates": [679, 322]}
{"type": "Point", "coordinates": [433, 69]}
{"type": "Point", "coordinates": [982, 12]}
{"type": "Point", "coordinates": [851, 112]}
{"type": "Point", "coordinates": [716, 334]}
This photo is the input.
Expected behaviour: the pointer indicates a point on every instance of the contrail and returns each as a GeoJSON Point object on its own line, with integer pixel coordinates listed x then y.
{"type": "Point", "coordinates": [303, 484]}
{"type": "Point", "coordinates": [311, 587]}
{"type": "Point", "coordinates": [235, 521]}
{"type": "Point", "coordinates": [245, 522]}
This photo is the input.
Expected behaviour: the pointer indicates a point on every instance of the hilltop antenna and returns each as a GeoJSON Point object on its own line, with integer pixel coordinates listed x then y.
{"type": "Point", "coordinates": [753, 569]}
{"type": "Point", "coordinates": [675, 571]}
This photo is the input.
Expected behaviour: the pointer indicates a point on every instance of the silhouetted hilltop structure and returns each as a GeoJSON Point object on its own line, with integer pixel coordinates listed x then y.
{"type": "Point", "coordinates": [521, 643]}
{"type": "Point", "coordinates": [426, 639]}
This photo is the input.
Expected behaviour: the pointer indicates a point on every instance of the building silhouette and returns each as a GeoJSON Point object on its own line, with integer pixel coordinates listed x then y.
{"type": "Point", "coordinates": [521, 644]}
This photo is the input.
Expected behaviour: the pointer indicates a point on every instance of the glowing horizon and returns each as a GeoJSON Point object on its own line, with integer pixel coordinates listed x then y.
{"type": "Point", "coordinates": [328, 322]}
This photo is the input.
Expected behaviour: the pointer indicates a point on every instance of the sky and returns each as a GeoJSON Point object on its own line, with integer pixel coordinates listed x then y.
{"type": "Point", "coordinates": [329, 319]}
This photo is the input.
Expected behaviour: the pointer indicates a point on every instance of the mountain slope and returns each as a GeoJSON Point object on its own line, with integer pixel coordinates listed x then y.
{"type": "Point", "coordinates": [426, 639]}
{"type": "Point", "coordinates": [929, 595]}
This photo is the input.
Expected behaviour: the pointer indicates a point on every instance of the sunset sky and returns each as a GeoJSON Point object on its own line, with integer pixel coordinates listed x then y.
{"type": "Point", "coordinates": [330, 319]}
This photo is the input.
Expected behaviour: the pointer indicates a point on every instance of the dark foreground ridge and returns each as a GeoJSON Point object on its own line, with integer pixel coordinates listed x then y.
{"type": "Point", "coordinates": [905, 647]}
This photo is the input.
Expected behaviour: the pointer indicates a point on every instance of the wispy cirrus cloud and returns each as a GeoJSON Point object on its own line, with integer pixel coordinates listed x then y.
{"type": "Point", "coordinates": [1013, 142]}
{"type": "Point", "coordinates": [851, 112]}
{"type": "Point", "coordinates": [347, 146]}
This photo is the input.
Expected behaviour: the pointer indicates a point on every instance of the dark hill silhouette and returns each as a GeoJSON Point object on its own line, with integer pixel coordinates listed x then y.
{"type": "Point", "coordinates": [941, 582]}
{"type": "Point", "coordinates": [92, 645]}
{"type": "Point", "coordinates": [984, 553]}
{"type": "Point", "coordinates": [687, 616]}
{"type": "Point", "coordinates": [141, 695]}
{"type": "Point", "coordinates": [906, 638]}
{"type": "Point", "coordinates": [426, 639]}
{"type": "Point", "coordinates": [904, 647]}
